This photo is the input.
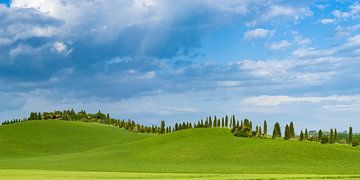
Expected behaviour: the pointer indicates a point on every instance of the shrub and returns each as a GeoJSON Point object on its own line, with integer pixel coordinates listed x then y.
{"type": "Point", "coordinates": [355, 142]}
{"type": "Point", "coordinates": [324, 140]}
{"type": "Point", "coordinates": [242, 134]}
{"type": "Point", "coordinates": [342, 141]}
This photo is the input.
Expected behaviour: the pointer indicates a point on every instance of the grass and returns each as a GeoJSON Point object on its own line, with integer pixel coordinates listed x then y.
{"type": "Point", "coordinates": [78, 149]}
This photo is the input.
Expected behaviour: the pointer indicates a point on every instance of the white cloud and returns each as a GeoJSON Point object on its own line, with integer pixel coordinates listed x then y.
{"type": "Point", "coordinates": [266, 100]}
{"type": "Point", "coordinates": [286, 11]}
{"type": "Point", "coordinates": [258, 33]}
{"type": "Point", "coordinates": [280, 45]}
{"type": "Point", "coordinates": [229, 83]}
{"type": "Point", "coordinates": [148, 75]}
{"type": "Point", "coordinates": [354, 12]}
{"type": "Point", "coordinates": [327, 21]}
{"type": "Point", "coordinates": [60, 47]}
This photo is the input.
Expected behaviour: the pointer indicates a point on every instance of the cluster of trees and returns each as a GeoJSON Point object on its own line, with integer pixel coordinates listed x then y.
{"type": "Point", "coordinates": [99, 117]}
{"type": "Point", "coordinates": [11, 121]}
{"type": "Point", "coordinates": [330, 137]}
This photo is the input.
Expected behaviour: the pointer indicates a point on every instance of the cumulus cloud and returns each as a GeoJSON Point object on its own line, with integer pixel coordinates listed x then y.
{"type": "Point", "coordinates": [327, 21]}
{"type": "Point", "coordinates": [257, 33]}
{"type": "Point", "coordinates": [280, 45]}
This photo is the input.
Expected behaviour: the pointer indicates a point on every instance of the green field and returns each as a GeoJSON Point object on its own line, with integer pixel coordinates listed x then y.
{"type": "Point", "coordinates": [60, 149]}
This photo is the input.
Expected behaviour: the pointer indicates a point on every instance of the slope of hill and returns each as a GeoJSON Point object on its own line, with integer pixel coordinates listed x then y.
{"type": "Point", "coordinates": [79, 146]}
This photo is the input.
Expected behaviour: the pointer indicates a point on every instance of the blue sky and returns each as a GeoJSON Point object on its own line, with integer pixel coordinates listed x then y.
{"type": "Point", "coordinates": [180, 61]}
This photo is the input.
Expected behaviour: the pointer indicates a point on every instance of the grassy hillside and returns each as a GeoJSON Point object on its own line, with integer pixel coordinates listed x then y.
{"type": "Point", "coordinates": [79, 146]}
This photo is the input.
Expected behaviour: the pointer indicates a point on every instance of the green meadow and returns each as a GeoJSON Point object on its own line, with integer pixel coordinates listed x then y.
{"type": "Point", "coordinates": [56, 149]}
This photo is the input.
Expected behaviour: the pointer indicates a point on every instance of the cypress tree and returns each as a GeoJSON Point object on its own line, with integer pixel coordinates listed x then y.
{"type": "Point", "coordinates": [215, 122]}
{"type": "Point", "coordinates": [350, 135]}
{"type": "Point", "coordinates": [301, 138]}
{"type": "Point", "coordinates": [218, 123]}
{"type": "Point", "coordinates": [162, 127]}
{"type": "Point", "coordinates": [292, 130]}
{"type": "Point", "coordinates": [265, 128]}
{"type": "Point", "coordinates": [259, 133]}
{"type": "Point", "coordinates": [276, 131]}
{"type": "Point", "coordinates": [226, 121]}
{"type": "Point", "coordinates": [210, 122]}
{"type": "Point", "coordinates": [320, 135]}
{"type": "Point", "coordinates": [306, 135]}
{"type": "Point", "coordinates": [331, 139]}
{"type": "Point", "coordinates": [336, 139]}
{"type": "Point", "coordinates": [287, 132]}
{"type": "Point", "coordinates": [222, 122]}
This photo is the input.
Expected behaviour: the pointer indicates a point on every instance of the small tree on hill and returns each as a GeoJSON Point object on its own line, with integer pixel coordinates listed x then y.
{"type": "Point", "coordinates": [336, 138]}
{"type": "Point", "coordinates": [222, 122]}
{"type": "Point", "coordinates": [226, 121]}
{"type": "Point", "coordinates": [215, 122]}
{"type": "Point", "coordinates": [292, 130]}
{"type": "Point", "coordinates": [301, 138]}
{"type": "Point", "coordinates": [331, 138]}
{"type": "Point", "coordinates": [259, 132]}
{"type": "Point", "coordinates": [276, 131]}
{"type": "Point", "coordinates": [287, 132]}
{"type": "Point", "coordinates": [306, 135]}
{"type": "Point", "coordinates": [350, 135]}
{"type": "Point", "coordinates": [265, 128]}
{"type": "Point", "coordinates": [320, 135]}
{"type": "Point", "coordinates": [162, 127]}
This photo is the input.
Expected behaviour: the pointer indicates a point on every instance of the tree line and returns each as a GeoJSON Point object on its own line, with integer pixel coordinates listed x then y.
{"type": "Point", "coordinates": [240, 128]}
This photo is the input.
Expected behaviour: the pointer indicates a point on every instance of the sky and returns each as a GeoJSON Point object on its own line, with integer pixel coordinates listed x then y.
{"type": "Point", "coordinates": [153, 60]}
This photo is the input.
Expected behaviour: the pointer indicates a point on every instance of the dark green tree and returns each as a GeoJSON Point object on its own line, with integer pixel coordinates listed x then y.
{"type": "Point", "coordinates": [265, 128]}
{"type": "Point", "coordinates": [287, 132]}
{"type": "Point", "coordinates": [331, 138]}
{"type": "Point", "coordinates": [350, 135]}
{"type": "Point", "coordinates": [226, 121]}
{"type": "Point", "coordinates": [259, 132]}
{"type": "Point", "coordinates": [222, 122]}
{"type": "Point", "coordinates": [306, 136]}
{"type": "Point", "coordinates": [320, 135]}
{"type": "Point", "coordinates": [301, 138]}
{"type": "Point", "coordinates": [276, 131]}
{"type": "Point", "coordinates": [292, 130]}
{"type": "Point", "coordinates": [215, 122]}
{"type": "Point", "coordinates": [210, 122]}
{"type": "Point", "coordinates": [336, 138]}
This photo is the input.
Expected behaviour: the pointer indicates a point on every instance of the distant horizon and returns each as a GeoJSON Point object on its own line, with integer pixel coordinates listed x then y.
{"type": "Point", "coordinates": [153, 60]}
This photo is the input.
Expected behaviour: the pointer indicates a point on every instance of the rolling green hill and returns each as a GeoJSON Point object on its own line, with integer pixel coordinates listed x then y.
{"type": "Point", "coordinates": [79, 146]}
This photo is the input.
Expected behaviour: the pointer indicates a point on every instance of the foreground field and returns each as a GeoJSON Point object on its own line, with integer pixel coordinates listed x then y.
{"type": "Point", "coordinates": [75, 148]}
{"type": "Point", "coordinates": [83, 175]}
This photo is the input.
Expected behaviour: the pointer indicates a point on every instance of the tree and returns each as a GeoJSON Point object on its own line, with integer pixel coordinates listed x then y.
{"type": "Point", "coordinates": [162, 127]}
{"type": "Point", "coordinates": [350, 135]}
{"type": "Point", "coordinates": [292, 130]}
{"type": "Point", "coordinates": [259, 132]}
{"type": "Point", "coordinates": [301, 138]}
{"type": "Point", "coordinates": [331, 138]}
{"type": "Point", "coordinates": [320, 135]}
{"type": "Point", "coordinates": [222, 122]}
{"type": "Point", "coordinates": [276, 131]}
{"type": "Point", "coordinates": [336, 138]}
{"type": "Point", "coordinates": [226, 121]}
{"type": "Point", "coordinates": [265, 128]}
{"type": "Point", "coordinates": [306, 135]}
{"type": "Point", "coordinates": [215, 122]}
{"type": "Point", "coordinates": [287, 132]}
{"type": "Point", "coordinates": [210, 122]}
